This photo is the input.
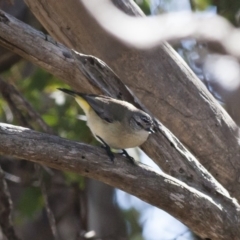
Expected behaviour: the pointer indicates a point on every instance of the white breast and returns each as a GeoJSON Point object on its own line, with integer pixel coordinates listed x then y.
{"type": "Point", "coordinates": [114, 134]}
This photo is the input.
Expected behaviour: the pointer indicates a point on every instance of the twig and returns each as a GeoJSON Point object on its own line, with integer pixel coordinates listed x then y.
{"type": "Point", "coordinates": [28, 117]}
{"type": "Point", "coordinates": [51, 218]}
{"type": "Point", "coordinates": [6, 210]}
{"type": "Point", "coordinates": [22, 110]}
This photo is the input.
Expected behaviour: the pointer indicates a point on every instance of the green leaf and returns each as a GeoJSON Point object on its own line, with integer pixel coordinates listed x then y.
{"type": "Point", "coordinates": [201, 4]}
{"type": "Point", "coordinates": [30, 204]}
{"type": "Point", "coordinates": [144, 5]}
{"type": "Point", "coordinates": [74, 178]}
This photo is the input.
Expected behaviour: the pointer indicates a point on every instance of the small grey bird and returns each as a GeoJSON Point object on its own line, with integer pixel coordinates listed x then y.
{"type": "Point", "coordinates": [115, 123]}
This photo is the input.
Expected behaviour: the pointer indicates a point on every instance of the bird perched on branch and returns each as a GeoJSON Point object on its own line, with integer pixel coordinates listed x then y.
{"type": "Point", "coordinates": [115, 123]}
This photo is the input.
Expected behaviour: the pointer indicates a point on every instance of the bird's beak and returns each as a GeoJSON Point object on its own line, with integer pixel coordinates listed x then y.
{"type": "Point", "coordinates": [150, 130]}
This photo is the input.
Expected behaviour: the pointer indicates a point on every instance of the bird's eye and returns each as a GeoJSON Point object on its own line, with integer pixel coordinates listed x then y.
{"type": "Point", "coordinates": [138, 123]}
{"type": "Point", "coordinates": [145, 119]}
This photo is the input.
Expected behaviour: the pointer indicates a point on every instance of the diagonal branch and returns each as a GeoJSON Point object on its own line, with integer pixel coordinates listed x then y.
{"type": "Point", "coordinates": [160, 79]}
{"type": "Point", "coordinates": [151, 31]}
{"type": "Point", "coordinates": [163, 147]}
{"type": "Point", "coordinates": [208, 219]}
{"type": "Point", "coordinates": [47, 53]}
{"type": "Point", "coordinates": [22, 110]}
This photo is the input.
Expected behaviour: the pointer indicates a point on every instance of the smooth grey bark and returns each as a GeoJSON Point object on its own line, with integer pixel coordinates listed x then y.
{"type": "Point", "coordinates": [202, 214]}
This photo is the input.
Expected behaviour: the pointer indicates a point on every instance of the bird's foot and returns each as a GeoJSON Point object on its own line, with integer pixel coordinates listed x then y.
{"type": "Point", "coordinates": [131, 159]}
{"type": "Point", "coordinates": [109, 152]}
{"type": "Point", "coordinates": [107, 148]}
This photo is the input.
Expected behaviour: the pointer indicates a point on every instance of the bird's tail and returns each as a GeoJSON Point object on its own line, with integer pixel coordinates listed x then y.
{"type": "Point", "coordinates": [68, 91]}
{"type": "Point", "coordinates": [79, 97]}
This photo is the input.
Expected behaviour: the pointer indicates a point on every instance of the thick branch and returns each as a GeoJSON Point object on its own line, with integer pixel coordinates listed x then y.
{"type": "Point", "coordinates": [208, 219]}
{"type": "Point", "coordinates": [163, 83]}
{"type": "Point", "coordinates": [163, 147]}
{"type": "Point", "coordinates": [151, 31]}
{"type": "Point", "coordinates": [20, 38]}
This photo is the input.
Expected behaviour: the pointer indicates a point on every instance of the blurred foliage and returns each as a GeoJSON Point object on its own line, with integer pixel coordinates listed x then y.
{"type": "Point", "coordinates": [229, 9]}
{"type": "Point", "coordinates": [29, 205]}
{"type": "Point", "coordinates": [58, 111]}
{"type": "Point", "coordinates": [72, 178]}
{"type": "Point", "coordinates": [144, 5]}
{"type": "Point", "coordinates": [201, 4]}
{"type": "Point", "coordinates": [132, 216]}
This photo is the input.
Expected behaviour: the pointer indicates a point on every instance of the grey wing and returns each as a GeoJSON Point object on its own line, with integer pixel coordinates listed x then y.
{"type": "Point", "coordinates": [101, 106]}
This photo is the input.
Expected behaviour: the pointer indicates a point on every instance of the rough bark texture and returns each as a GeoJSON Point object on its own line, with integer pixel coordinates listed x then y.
{"type": "Point", "coordinates": [168, 89]}
{"type": "Point", "coordinates": [162, 147]}
{"type": "Point", "coordinates": [208, 219]}
{"type": "Point", "coordinates": [161, 80]}
{"type": "Point", "coordinates": [20, 11]}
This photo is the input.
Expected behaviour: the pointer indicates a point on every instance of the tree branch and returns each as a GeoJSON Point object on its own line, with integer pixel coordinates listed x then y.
{"type": "Point", "coordinates": [163, 147]}
{"type": "Point", "coordinates": [28, 117]}
{"type": "Point", "coordinates": [208, 219]}
{"type": "Point", "coordinates": [19, 38]}
{"type": "Point", "coordinates": [205, 131]}
{"type": "Point", "coordinates": [22, 110]}
{"type": "Point", "coordinates": [6, 210]}
{"type": "Point", "coordinates": [163, 83]}
{"type": "Point", "coordinates": [172, 157]}
{"type": "Point", "coordinates": [152, 31]}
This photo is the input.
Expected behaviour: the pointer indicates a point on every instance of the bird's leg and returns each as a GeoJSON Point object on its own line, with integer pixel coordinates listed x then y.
{"type": "Point", "coordinates": [107, 148]}
{"type": "Point", "coordinates": [132, 160]}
